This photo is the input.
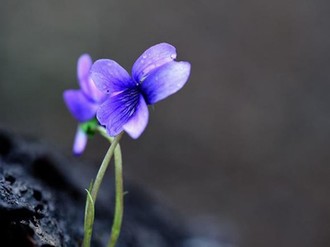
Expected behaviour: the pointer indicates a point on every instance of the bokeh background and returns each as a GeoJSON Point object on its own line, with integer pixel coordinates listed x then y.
{"type": "Point", "coordinates": [242, 150]}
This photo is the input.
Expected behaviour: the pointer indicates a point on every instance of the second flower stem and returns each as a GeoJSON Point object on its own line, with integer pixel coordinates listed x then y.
{"type": "Point", "coordinates": [119, 192]}
{"type": "Point", "coordinates": [119, 206]}
{"type": "Point", "coordinates": [104, 166]}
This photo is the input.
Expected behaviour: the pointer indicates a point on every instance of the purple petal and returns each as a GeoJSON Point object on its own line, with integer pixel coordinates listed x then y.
{"type": "Point", "coordinates": [80, 142]}
{"type": "Point", "coordinates": [115, 112]}
{"type": "Point", "coordinates": [151, 59]}
{"type": "Point", "coordinates": [165, 81]}
{"type": "Point", "coordinates": [83, 66]}
{"type": "Point", "coordinates": [86, 83]}
{"type": "Point", "coordinates": [92, 92]}
{"type": "Point", "coordinates": [138, 122]}
{"type": "Point", "coordinates": [110, 77]}
{"type": "Point", "coordinates": [79, 106]}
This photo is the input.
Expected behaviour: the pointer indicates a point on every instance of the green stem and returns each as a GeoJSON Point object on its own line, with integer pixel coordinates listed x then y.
{"type": "Point", "coordinates": [91, 197]}
{"type": "Point", "coordinates": [103, 132]}
{"type": "Point", "coordinates": [88, 219]}
{"type": "Point", "coordinates": [119, 206]}
{"type": "Point", "coordinates": [104, 166]}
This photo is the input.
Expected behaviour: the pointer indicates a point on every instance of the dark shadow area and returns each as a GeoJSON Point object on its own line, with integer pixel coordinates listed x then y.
{"type": "Point", "coordinates": [36, 210]}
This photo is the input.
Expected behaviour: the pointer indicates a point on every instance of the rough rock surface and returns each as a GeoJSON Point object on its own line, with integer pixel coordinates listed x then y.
{"type": "Point", "coordinates": [41, 206]}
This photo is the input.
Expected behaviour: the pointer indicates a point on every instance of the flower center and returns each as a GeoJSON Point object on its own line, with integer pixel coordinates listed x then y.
{"type": "Point", "coordinates": [141, 92]}
{"type": "Point", "coordinates": [129, 100]}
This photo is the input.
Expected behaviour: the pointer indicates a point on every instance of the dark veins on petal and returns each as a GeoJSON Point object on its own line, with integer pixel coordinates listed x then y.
{"type": "Point", "coordinates": [128, 102]}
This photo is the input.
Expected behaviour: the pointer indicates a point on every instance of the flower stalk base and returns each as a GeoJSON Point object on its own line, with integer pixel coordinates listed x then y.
{"type": "Point", "coordinates": [92, 193]}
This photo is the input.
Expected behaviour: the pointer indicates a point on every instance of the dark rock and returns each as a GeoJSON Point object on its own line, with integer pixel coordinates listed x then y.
{"type": "Point", "coordinates": [33, 211]}
{"type": "Point", "coordinates": [41, 205]}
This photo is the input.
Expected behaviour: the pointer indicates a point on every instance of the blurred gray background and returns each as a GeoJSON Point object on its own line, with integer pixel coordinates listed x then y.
{"type": "Point", "coordinates": [244, 146]}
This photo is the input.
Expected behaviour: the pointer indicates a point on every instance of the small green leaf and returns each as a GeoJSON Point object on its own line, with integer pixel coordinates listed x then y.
{"type": "Point", "coordinates": [89, 218]}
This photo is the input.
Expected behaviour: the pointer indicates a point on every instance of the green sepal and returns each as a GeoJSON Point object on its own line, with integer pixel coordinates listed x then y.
{"type": "Point", "coordinates": [89, 127]}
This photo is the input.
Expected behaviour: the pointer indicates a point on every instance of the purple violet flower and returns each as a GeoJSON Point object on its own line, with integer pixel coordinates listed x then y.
{"type": "Point", "coordinates": [155, 76]}
{"type": "Point", "coordinates": [84, 102]}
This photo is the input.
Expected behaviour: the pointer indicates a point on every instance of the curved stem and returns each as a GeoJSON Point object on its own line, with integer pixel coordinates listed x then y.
{"type": "Point", "coordinates": [119, 206]}
{"type": "Point", "coordinates": [88, 220]}
{"type": "Point", "coordinates": [95, 187]}
{"type": "Point", "coordinates": [103, 132]}
{"type": "Point", "coordinates": [119, 201]}
{"type": "Point", "coordinates": [104, 166]}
